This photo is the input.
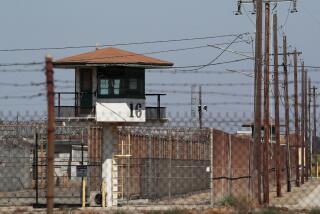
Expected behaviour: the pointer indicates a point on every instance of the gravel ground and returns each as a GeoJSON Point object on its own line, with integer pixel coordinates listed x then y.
{"type": "Point", "coordinates": [305, 197]}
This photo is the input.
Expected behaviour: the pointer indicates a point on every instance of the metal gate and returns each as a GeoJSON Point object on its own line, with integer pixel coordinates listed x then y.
{"type": "Point", "coordinates": [23, 164]}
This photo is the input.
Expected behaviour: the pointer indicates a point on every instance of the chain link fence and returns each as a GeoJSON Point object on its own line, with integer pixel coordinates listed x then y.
{"type": "Point", "coordinates": [157, 165]}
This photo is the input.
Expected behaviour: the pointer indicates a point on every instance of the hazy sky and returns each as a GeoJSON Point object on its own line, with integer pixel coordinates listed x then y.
{"type": "Point", "coordinates": [40, 23]}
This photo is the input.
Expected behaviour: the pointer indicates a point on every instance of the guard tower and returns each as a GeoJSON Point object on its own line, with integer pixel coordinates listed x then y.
{"type": "Point", "coordinates": [109, 87]}
{"type": "Point", "coordinates": [109, 90]}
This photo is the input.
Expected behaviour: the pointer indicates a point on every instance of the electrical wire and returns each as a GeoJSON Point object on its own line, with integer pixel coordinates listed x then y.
{"type": "Point", "coordinates": [219, 55]}
{"type": "Point", "coordinates": [120, 44]}
{"type": "Point", "coordinates": [180, 69]}
{"type": "Point", "coordinates": [119, 56]}
{"type": "Point", "coordinates": [157, 52]}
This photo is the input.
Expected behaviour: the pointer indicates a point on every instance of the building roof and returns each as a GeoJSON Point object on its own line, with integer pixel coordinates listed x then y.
{"type": "Point", "coordinates": [110, 57]}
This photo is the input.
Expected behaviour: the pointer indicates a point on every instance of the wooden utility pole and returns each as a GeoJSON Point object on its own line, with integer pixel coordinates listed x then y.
{"type": "Point", "coordinates": [287, 131]}
{"type": "Point", "coordinates": [315, 127]}
{"type": "Point", "coordinates": [51, 131]}
{"type": "Point", "coordinates": [306, 135]}
{"type": "Point", "coordinates": [296, 117]}
{"type": "Point", "coordinates": [276, 107]}
{"type": "Point", "coordinates": [266, 120]}
{"type": "Point", "coordinates": [309, 127]}
{"type": "Point", "coordinates": [256, 157]}
{"type": "Point", "coordinates": [302, 124]}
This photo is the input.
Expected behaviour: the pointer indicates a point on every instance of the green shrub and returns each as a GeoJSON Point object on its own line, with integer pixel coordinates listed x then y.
{"type": "Point", "coordinates": [120, 212]}
{"type": "Point", "coordinates": [154, 212]}
{"type": "Point", "coordinates": [315, 211]}
{"type": "Point", "coordinates": [239, 204]}
{"type": "Point", "coordinates": [270, 210]}
{"type": "Point", "coordinates": [174, 211]}
{"type": "Point", "coordinates": [228, 201]}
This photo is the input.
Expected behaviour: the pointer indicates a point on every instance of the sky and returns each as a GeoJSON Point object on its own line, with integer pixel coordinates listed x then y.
{"type": "Point", "coordinates": [60, 23]}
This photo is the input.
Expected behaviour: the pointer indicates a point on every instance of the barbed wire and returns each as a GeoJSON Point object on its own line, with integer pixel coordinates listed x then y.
{"type": "Point", "coordinates": [22, 96]}
{"type": "Point", "coordinates": [20, 70]}
{"type": "Point", "coordinates": [212, 84]}
{"type": "Point", "coordinates": [202, 84]}
{"type": "Point", "coordinates": [70, 84]}
{"type": "Point", "coordinates": [21, 64]}
{"type": "Point", "coordinates": [203, 92]}
{"type": "Point", "coordinates": [204, 103]}
{"type": "Point", "coordinates": [22, 84]}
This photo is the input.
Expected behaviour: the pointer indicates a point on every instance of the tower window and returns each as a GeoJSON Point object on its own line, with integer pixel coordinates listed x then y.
{"type": "Point", "coordinates": [104, 87]}
{"type": "Point", "coordinates": [133, 84]}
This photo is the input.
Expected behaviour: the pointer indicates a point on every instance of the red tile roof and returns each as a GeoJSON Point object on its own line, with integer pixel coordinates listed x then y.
{"type": "Point", "coordinates": [110, 56]}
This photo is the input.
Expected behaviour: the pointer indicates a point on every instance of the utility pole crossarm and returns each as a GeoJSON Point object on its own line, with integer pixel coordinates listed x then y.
{"type": "Point", "coordinates": [254, 2]}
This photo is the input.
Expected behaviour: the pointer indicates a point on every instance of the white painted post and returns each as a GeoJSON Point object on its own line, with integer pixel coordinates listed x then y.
{"type": "Point", "coordinates": [109, 174]}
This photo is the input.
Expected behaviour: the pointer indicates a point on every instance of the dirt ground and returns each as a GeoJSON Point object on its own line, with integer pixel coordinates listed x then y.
{"type": "Point", "coordinates": [221, 210]}
{"type": "Point", "coordinates": [305, 197]}
{"type": "Point", "coordinates": [300, 200]}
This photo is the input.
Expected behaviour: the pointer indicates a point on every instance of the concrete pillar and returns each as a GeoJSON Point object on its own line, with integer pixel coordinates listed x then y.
{"type": "Point", "coordinates": [109, 171]}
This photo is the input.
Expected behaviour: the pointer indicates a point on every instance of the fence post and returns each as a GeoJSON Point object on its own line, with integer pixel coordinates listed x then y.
{"type": "Point", "coordinates": [211, 167]}
{"type": "Point", "coordinates": [59, 104]}
{"type": "Point", "coordinates": [82, 178]}
{"type": "Point", "coordinates": [51, 131]}
{"type": "Point", "coordinates": [158, 110]}
{"type": "Point", "coordinates": [129, 166]}
{"type": "Point", "coordinates": [149, 177]}
{"type": "Point", "coordinates": [84, 192]}
{"type": "Point", "coordinates": [170, 163]}
{"type": "Point", "coordinates": [103, 193]}
{"type": "Point", "coordinates": [250, 191]}
{"type": "Point", "coordinates": [36, 169]}
{"type": "Point", "coordinates": [229, 166]}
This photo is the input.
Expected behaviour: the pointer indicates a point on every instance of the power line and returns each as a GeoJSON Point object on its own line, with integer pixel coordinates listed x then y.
{"type": "Point", "coordinates": [219, 55]}
{"type": "Point", "coordinates": [119, 44]}
{"type": "Point", "coordinates": [166, 51]}
{"type": "Point", "coordinates": [119, 56]}
{"type": "Point", "coordinates": [178, 69]}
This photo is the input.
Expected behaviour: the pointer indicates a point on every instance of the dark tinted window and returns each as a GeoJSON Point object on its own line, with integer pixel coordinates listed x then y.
{"type": "Point", "coordinates": [120, 82]}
